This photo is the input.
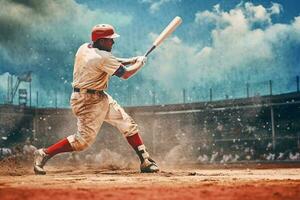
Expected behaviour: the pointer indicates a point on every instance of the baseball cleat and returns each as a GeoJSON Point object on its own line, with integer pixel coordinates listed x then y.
{"type": "Point", "coordinates": [149, 166]}
{"type": "Point", "coordinates": [40, 159]}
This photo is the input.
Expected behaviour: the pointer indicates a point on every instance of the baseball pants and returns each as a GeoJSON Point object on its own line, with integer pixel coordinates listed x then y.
{"type": "Point", "coordinates": [91, 110]}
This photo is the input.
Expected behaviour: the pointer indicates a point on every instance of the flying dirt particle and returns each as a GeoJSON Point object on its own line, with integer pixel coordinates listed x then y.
{"type": "Point", "coordinates": [192, 174]}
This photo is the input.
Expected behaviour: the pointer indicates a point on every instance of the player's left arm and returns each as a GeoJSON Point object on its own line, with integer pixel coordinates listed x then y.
{"type": "Point", "coordinates": [127, 72]}
{"type": "Point", "coordinates": [127, 61]}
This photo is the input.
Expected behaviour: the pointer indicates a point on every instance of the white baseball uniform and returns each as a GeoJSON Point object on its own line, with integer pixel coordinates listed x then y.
{"type": "Point", "coordinates": [92, 70]}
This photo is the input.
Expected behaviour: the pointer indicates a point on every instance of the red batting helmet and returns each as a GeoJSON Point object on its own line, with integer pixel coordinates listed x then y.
{"type": "Point", "coordinates": [103, 31]}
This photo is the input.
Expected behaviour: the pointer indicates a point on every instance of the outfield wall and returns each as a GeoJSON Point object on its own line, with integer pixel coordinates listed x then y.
{"type": "Point", "coordinates": [175, 131]}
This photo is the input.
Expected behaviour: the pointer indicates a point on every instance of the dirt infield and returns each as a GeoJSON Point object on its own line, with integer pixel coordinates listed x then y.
{"type": "Point", "coordinates": [196, 182]}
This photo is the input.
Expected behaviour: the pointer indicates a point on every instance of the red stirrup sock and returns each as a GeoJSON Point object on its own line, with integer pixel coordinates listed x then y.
{"type": "Point", "coordinates": [137, 144]}
{"type": "Point", "coordinates": [135, 140]}
{"type": "Point", "coordinates": [59, 147]}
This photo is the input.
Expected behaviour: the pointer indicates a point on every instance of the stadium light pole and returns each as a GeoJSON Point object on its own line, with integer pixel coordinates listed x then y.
{"type": "Point", "coordinates": [30, 94]}
{"type": "Point", "coordinates": [297, 80]}
{"type": "Point", "coordinates": [37, 99]}
{"type": "Point", "coordinates": [55, 100]}
{"type": "Point", "coordinates": [153, 98]}
{"type": "Point", "coordinates": [270, 84]}
{"type": "Point", "coordinates": [8, 89]}
{"type": "Point", "coordinates": [247, 86]}
{"type": "Point", "coordinates": [183, 95]}
{"type": "Point", "coordinates": [273, 128]}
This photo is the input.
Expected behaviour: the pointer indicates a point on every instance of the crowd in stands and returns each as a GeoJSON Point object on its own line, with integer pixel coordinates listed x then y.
{"type": "Point", "coordinates": [237, 153]}
{"type": "Point", "coordinates": [21, 152]}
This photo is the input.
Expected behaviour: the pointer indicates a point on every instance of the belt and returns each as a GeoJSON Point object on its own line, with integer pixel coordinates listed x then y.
{"type": "Point", "coordinates": [90, 91]}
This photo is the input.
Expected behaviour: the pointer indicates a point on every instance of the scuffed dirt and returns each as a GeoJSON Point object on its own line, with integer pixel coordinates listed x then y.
{"type": "Point", "coordinates": [192, 182]}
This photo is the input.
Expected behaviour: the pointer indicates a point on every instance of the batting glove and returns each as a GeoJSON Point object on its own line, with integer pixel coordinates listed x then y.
{"type": "Point", "coordinates": [133, 59]}
{"type": "Point", "coordinates": [142, 59]}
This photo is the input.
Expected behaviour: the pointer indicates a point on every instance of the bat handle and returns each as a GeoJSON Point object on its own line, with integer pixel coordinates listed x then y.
{"type": "Point", "coordinates": [150, 50]}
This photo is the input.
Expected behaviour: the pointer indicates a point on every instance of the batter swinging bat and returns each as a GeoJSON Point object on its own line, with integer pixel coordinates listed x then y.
{"type": "Point", "coordinates": [165, 33]}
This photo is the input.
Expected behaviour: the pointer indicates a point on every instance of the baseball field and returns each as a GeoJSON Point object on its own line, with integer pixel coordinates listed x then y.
{"type": "Point", "coordinates": [212, 182]}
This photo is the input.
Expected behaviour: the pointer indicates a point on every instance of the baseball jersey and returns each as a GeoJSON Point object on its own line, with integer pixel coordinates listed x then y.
{"type": "Point", "coordinates": [93, 68]}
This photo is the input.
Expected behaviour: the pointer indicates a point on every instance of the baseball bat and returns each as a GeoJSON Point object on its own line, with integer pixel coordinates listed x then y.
{"type": "Point", "coordinates": [165, 33]}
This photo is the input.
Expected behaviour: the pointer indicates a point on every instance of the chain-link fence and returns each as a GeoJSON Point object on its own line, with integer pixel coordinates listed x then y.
{"type": "Point", "coordinates": [155, 95]}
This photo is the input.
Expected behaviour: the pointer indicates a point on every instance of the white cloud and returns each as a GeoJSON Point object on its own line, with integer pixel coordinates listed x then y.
{"type": "Point", "coordinates": [260, 13]}
{"type": "Point", "coordinates": [205, 17]}
{"type": "Point", "coordinates": [275, 9]}
{"type": "Point", "coordinates": [28, 24]}
{"type": "Point", "coordinates": [155, 5]}
{"type": "Point", "coordinates": [204, 53]}
{"type": "Point", "coordinates": [296, 25]}
{"type": "Point", "coordinates": [176, 39]}
{"type": "Point", "coordinates": [257, 13]}
{"type": "Point", "coordinates": [248, 11]}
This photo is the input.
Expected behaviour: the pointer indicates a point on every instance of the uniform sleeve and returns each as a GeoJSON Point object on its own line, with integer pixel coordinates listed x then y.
{"type": "Point", "coordinates": [120, 71]}
{"type": "Point", "coordinates": [110, 64]}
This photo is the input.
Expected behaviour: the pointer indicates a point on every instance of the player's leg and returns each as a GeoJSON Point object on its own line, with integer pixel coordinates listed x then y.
{"type": "Point", "coordinates": [117, 117]}
{"type": "Point", "coordinates": [148, 165]}
{"type": "Point", "coordinates": [90, 111]}
{"type": "Point", "coordinates": [41, 156]}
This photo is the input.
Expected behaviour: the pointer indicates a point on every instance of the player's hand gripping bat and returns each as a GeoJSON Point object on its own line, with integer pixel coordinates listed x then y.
{"type": "Point", "coordinates": [165, 33]}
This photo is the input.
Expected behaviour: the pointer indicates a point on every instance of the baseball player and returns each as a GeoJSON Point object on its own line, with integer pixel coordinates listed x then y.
{"type": "Point", "coordinates": [93, 67]}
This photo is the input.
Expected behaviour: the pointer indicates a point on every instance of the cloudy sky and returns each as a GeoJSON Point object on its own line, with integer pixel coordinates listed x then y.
{"type": "Point", "coordinates": [221, 45]}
